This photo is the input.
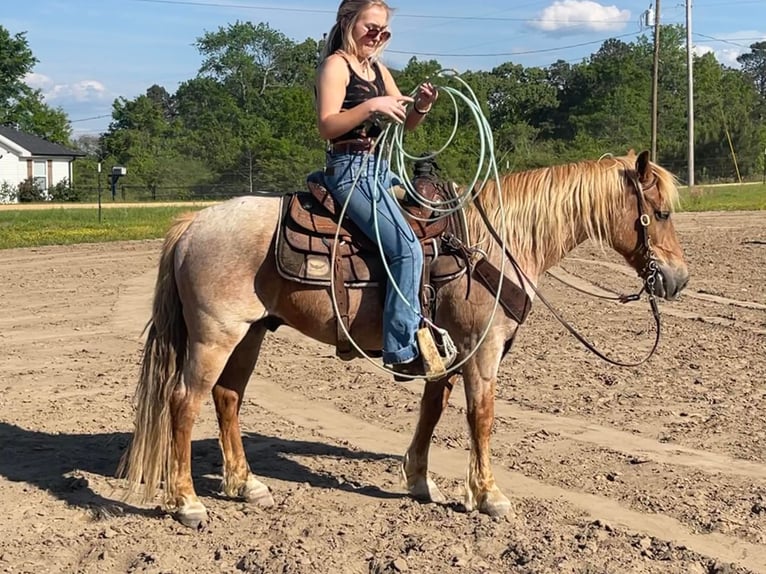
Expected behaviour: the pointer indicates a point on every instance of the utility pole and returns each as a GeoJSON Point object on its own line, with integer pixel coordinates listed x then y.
{"type": "Point", "coordinates": [655, 77]}
{"type": "Point", "coordinates": [690, 106]}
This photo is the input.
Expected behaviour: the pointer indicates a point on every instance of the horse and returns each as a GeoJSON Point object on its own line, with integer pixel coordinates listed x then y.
{"type": "Point", "coordinates": [218, 292]}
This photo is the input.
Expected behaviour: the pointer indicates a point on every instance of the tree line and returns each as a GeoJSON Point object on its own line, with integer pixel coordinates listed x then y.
{"type": "Point", "coordinates": [246, 121]}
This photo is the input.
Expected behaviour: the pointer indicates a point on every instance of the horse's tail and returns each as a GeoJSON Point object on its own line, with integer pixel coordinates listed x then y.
{"type": "Point", "coordinates": [149, 457]}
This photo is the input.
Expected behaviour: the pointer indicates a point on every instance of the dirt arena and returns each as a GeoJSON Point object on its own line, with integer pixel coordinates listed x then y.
{"type": "Point", "coordinates": [655, 469]}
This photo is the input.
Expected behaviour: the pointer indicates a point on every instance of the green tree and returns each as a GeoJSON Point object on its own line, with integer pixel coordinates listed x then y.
{"type": "Point", "coordinates": [20, 105]}
{"type": "Point", "coordinates": [143, 138]}
{"type": "Point", "coordinates": [754, 65]}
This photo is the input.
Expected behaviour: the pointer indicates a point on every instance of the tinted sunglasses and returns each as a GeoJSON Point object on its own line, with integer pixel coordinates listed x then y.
{"type": "Point", "coordinates": [379, 34]}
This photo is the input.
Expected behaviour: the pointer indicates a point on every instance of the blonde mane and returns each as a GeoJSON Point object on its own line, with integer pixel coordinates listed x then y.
{"type": "Point", "coordinates": [547, 211]}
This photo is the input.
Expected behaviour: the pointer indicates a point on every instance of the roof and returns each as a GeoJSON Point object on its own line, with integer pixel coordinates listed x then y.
{"type": "Point", "coordinates": [37, 145]}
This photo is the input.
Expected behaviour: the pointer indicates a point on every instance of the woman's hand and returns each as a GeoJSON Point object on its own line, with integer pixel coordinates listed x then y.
{"type": "Point", "coordinates": [426, 96]}
{"type": "Point", "coordinates": [392, 107]}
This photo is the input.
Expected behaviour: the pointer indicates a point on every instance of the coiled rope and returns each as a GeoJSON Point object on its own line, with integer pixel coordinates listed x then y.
{"type": "Point", "coordinates": [391, 141]}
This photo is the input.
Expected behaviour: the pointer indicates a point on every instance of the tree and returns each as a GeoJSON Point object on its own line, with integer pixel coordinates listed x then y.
{"type": "Point", "coordinates": [142, 137]}
{"type": "Point", "coordinates": [754, 65]}
{"type": "Point", "coordinates": [20, 105]}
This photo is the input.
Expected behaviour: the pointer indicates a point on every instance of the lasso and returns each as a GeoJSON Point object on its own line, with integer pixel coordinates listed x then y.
{"type": "Point", "coordinates": [392, 141]}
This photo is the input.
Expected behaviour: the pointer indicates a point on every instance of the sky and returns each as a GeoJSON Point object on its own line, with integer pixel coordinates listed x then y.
{"type": "Point", "coordinates": [91, 52]}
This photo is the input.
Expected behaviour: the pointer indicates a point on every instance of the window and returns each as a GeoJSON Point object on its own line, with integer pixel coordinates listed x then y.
{"type": "Point", "coordinates": [40, 174]}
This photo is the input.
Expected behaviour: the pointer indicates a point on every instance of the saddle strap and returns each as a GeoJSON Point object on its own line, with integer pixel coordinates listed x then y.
{"type": "Point", "coordinates": [343, 344]}
{"type": "Point", "coordinates": [513, 299]}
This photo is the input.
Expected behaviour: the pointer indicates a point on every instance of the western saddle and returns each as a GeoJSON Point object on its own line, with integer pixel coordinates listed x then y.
{"type": "Point", "coordinates": [305, 245]}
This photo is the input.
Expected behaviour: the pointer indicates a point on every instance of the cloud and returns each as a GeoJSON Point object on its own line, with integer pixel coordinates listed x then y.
{"type": "Point", "coordinates": [726, 56]}
{"type": "Point", "coordinates": [575, 16]}
{"type": "Point", "coordinates": [37, 81]}
{"type": "Point", "coordinates": [81, 91]}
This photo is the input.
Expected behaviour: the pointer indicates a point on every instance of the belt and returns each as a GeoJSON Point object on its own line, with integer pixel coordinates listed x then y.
{"type": "Point", "coordinates": [353, 146]}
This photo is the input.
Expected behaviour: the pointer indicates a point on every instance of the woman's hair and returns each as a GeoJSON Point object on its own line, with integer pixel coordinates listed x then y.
{"type": "Point", "coordinates": [340, 36]}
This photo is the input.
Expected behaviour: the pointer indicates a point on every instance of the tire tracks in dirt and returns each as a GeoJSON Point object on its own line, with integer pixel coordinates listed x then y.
{"type": "Point", "coordinates": [334, 424]}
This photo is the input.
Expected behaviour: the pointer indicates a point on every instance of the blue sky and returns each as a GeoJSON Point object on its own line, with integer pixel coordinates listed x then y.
{"type": "Point", "coordinates": [93, 51]}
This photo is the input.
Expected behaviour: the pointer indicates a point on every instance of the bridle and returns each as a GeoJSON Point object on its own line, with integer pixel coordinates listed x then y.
{"type": "Point", "coordinates": [650, 272]}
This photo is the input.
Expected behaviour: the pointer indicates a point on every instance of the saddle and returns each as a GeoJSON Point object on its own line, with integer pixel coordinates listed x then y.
{"type": "Point", "coordinates": [306, 235]}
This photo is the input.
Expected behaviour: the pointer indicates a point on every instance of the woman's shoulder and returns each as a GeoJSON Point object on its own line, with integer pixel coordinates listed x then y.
{"type": "Point", "coordinates": [335, 63]}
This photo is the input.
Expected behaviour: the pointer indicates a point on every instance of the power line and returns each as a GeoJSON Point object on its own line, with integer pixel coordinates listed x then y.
{"type": "Point", "coordinates": [398, 15]}
{"type": "Point", "coordinates": [517, 53]}
{"type": "Point", "coordinates": [722, 40]}
{"type": "Point", "coordinates": [90, 118]}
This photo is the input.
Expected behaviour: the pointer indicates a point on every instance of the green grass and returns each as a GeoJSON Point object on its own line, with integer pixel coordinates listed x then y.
{"type": "Point", "coordinates": [724, 198]}
{"type": "Point", "coordinates": [29, 228]}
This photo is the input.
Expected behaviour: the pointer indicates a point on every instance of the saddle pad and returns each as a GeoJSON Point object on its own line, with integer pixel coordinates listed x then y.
{"type": "Point", "coordinates": [303, 253]}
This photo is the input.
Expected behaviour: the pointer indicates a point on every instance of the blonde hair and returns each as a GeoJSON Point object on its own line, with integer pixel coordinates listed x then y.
{"type": "Point", "coordinates": [340, 36]}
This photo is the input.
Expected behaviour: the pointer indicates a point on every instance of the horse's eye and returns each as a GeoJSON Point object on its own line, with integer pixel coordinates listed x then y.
{"type": "Point", "coordinates": [661, 215]}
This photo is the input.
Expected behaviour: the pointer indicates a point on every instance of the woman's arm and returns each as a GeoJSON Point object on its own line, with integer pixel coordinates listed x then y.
{"type": "Point", "coordinates": [331, 82]}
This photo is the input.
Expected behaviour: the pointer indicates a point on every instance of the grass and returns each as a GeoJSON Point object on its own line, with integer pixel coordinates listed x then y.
{"type": "Point", "coordinates": [748, 197]}
{"type": "Point", "coordinates": [30, 228]}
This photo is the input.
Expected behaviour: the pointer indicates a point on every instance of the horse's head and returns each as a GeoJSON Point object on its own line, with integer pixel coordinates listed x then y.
{"type": "Point", "coordinates": [644, 233]}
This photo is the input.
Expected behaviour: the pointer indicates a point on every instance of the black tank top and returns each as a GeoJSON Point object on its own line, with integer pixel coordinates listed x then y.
{"type": "Point", "coordinates": [360, 90]}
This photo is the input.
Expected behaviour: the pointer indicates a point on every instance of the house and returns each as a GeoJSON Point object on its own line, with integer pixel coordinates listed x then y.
{"type": "Point", "coordinates": [24, 156]}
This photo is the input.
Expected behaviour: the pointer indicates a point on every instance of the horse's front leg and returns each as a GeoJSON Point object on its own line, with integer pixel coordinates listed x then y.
{"type": "Point", "coordinates": [415, 463]}
{"type": "Point", "coordinates": [479, 378]}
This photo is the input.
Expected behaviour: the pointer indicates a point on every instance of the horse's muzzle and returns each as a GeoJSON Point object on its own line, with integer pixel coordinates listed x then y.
{"type": "Point", "coordinates": [669, 282]}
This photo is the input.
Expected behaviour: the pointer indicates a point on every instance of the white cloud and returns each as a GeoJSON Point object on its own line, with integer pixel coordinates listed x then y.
{"type": "Point", "coordinates": [573, 16]}
{"type": "Point", "coordinates": [82, 91]}
{"type": "Point", "coordinates": [37, 81]}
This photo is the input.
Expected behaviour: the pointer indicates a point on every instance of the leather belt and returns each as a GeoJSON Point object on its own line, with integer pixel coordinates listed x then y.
{"type": "Point", "coordinates": [353, 146]}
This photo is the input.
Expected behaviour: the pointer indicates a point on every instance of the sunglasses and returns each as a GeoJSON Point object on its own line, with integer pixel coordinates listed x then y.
{"type": "Point", "coordinates": [379, 34]}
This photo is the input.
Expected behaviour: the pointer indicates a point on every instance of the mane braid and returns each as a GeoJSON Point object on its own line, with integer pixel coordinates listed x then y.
{"type": "Point", "coordinates": [549, 210]}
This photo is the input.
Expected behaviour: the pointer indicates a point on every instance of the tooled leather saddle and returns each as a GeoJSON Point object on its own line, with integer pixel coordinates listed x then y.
{"type": "Point", "coordinates": [307, 231]}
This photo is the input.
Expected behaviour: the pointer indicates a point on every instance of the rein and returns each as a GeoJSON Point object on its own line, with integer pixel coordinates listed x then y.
{"type": "Point", "coordinates": [650, 274]}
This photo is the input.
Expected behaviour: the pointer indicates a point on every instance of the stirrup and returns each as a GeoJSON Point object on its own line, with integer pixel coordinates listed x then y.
{"type": "Point", "coordinates": [438, 356]}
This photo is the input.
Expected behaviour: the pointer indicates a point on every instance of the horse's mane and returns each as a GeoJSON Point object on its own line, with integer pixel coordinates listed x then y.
{"type": "Point", "coordinates": [545, 209]}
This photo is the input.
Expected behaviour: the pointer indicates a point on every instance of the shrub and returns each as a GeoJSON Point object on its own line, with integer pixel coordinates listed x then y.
{"type": "Point", "coordinates": [29, 191]}
{"type": "Point", "coordinates": [63, 192]}
{"type": "Point", "coordinates": [8, 193]}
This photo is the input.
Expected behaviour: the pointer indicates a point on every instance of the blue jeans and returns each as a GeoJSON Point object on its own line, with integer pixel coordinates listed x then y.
{"type": "Point", "coordinates": [400, 246]}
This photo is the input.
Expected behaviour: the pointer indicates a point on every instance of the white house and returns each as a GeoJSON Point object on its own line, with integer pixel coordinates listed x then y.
{"type": "Point", "coordinates": [24, 155]}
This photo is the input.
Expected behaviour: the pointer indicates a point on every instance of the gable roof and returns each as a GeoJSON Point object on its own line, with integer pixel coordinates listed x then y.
{"type": "Point", "coordinates": [36, 145]}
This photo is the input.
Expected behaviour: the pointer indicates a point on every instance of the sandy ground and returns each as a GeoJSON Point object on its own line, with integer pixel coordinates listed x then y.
{"type": "Point", "coordinates": [655, 469]}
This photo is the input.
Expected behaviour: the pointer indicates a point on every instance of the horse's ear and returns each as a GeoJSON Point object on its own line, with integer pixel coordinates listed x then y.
{"type": "Point", "coordinates": [642, 166]}
{"type": "Point", "coordinates": [631, 152]}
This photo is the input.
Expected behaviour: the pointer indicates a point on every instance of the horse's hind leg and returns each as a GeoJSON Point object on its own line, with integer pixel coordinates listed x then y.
{"type": "Point", "coordinates": [415, 463]}
{"type": "Point", "coordinates": [228, 392]}
{"type": "Point", "coordinates": [206, 362]}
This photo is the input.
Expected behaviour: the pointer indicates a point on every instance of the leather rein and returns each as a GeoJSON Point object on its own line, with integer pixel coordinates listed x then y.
{"type": "Point", "coordinates": [650, 274]}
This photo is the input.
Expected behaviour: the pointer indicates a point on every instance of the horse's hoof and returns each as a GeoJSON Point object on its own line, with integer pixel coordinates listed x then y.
{"type": "Point", "coordinates": [260, 497]}
{"type": "Point", "coordinates": [495, 503]}
{"type": "Point", "coordinates": [426, 491]}
{"type": "Point", "coordinates": [255, 492]}
{"type": "Point", "coordinates": [191, 515]}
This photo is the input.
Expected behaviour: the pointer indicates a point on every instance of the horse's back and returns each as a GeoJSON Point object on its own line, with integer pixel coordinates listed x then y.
{"type": "Point", "coordinates": [224, 248]}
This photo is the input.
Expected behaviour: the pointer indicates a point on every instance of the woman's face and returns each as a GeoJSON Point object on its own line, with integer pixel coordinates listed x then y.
{"type": "Point", "coordinates": [370, 30]}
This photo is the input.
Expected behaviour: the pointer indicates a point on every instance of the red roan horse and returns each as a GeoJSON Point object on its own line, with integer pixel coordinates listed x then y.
{"type": "Point", "coordinates": [218, 291]}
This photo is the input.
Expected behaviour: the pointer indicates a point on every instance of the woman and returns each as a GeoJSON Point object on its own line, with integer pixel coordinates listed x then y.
{"type": "Point", "coordinates": [354, 93]}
